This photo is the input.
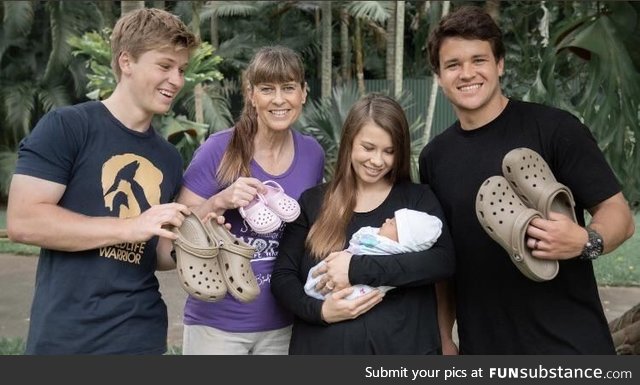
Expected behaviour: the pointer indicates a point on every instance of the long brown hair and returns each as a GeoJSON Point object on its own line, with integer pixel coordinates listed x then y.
{"type": "Point", "coordinates": [272, 64]}
{"type": "Point", "coordinates": [327, 234]}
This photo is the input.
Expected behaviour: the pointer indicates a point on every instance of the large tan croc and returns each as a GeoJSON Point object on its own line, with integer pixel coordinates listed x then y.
{"type": "Point", "coordinates": [533, 181]}
{"type": "Point", "coordinates": [197, 263]}
{"type": "Point", "coordinates": [505, 218]}
{"type": "Point", "coordinates": [235, 260]}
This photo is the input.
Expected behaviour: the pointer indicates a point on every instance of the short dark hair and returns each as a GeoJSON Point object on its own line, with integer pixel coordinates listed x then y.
{"type": "Point", "coordinates": [467, 22]}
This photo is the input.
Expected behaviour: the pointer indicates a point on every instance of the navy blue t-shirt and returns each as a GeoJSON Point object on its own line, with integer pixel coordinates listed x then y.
{"type": "Point", "coordinates": [106, 300]}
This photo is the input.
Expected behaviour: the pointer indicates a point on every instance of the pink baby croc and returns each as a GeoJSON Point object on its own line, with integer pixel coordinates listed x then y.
{"type": "Point", "coordinates": [280, 203]}
{"type": "Point", "coordinates": [260, 217]}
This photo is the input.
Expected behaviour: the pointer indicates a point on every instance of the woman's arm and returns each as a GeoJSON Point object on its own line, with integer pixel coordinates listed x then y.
{"type": "Point", "coordinates": [409, 269]}
{"type": "Point", "coordinates": [290, 273]}
{"type": "Point", "coordinates": [287, 279]}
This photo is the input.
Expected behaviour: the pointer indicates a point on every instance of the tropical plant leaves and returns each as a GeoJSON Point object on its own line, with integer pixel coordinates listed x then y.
{"type": "Point", "coordinates": [178, 125]}
{"type": "Point", "coordinates": [603, 90]}
{"type": "Point", "coordinates": [323, 120]}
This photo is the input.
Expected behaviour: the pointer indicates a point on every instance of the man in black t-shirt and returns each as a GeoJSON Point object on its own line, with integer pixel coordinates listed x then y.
{"type": "Point", "coordinates": [93, 187]}
{"type": "Point", "coordinates": [498, 309]}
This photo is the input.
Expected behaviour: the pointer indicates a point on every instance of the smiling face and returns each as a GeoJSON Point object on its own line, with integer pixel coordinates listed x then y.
{"type": "Point", "coordinates": [470, 78]}
{"type": "Point", "coordinates": [372, 155]}
{"type": "Point", "coordinates": [154, 78]}
{"type": "Point", "coordinates": [278, 105]}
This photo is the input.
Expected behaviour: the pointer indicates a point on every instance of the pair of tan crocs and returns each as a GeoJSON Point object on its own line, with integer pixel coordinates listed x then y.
{"type": "Point", "coordinates": [211, 262]}
{"type": "Point", "coordinates": [505, 205]}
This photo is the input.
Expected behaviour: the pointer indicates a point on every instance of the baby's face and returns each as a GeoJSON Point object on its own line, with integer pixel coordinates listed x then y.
{"type": "Point", "coordinates": [389, 229]}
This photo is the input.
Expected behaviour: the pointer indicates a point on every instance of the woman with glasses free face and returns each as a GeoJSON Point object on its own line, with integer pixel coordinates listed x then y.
{"type": "Point", "coordinates": [371, 182]}
{"type": "Point", "coordinates": [226, 173]}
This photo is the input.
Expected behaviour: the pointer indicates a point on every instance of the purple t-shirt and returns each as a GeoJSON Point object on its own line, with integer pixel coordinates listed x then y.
{"type": "Point", "coordinates": [264, 313]}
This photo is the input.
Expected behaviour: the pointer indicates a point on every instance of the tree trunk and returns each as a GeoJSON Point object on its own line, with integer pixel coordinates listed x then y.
{"type": "Point", "coordinates": [345, 62]}
{"type": "Point", "coordinates": [399, 50]}
{"type": "Point", "coordinates": [128, 6]}
{"type": "Point", "coordinates": [357, 47]}
{"type": "Point", "coordinates": [318, 24]}
{"type": "Point", "coordinates": [434, 90]}
{"type": "Point", "coordinates": [106, 7]}
{"type": "Point", "coordinates": [390, 49]}
{"type": "Point", "coordinates": [325, 91]}
{"type": "Point", "coordinates": [198, 91]}
{"type": "Point", "coordinates": [493, 9]}
{"type": "Point", "coordinates": [214, 35]}
{"type": "Point", "coordinates": [416, 24]}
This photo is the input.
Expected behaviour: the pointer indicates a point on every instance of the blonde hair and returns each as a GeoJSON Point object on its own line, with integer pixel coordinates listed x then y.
{"type": "Point", "coordinates": [328, 233]}
{"type": "Point", "coordinates": [145, 29]}
{"type": "Point", "coordinates": [272, 64]}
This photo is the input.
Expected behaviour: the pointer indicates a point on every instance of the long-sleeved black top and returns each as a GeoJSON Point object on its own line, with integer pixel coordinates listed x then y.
{"type": "Point", "coordinates": [405, 322]}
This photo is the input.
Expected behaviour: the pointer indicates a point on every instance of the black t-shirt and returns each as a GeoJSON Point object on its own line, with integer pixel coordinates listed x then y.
{"type": "Point", "coordinates": [101, 301]}
{"type": "Point", "coordinates": [405, 322]}
{"type": "Point", "coordinates": [499, 310]}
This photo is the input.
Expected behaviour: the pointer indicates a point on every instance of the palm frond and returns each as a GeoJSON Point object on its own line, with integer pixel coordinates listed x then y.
{"type": "Point", "coordinates": [66, 20]}
{"type": "Point", "coordinates": [323, 119]}
{"type": "Point", "coordinates": [237, 50]}
{"type": "Point", "coordinates": [53, 96]}
{"type": "Point", "coordinates": [8, 161]}
{"type": "Point", "coordinates": [227, 9]}
{"type": "Point", "coordinates": [611, 100]}
{"type": "Point", "coordinates": [216, 109]}
{"type": "Point", "coordinates": [17, 18]}
{"type": "Point", "coordinates": [376, 11]}
{"type": "Point", "coordinates": [19, 105]}
{"type": "Point", "coordinates": [307, 6]}
{"type": "Point", "coordinates": [604, 88]}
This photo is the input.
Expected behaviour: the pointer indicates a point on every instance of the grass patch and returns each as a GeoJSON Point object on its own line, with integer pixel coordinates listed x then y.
{"type": "Point", "coordinates": [12, 346]}
{"type": "Point", "coordinates": [621, 267]}
{"type": "Point", "coordinates": [8, 247]}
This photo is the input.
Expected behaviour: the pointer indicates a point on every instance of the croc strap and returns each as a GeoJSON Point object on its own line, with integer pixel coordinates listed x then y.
{"type": "Point", "coordinates": [517, 237]}
{"type": "Point", "coordinates": [199, 251]}
{"type": "Point", "coordinates": [240, 250]}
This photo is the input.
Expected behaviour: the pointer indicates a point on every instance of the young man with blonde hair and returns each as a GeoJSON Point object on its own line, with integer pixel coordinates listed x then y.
{"type": "Point", "coordinates": [93, 187]}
